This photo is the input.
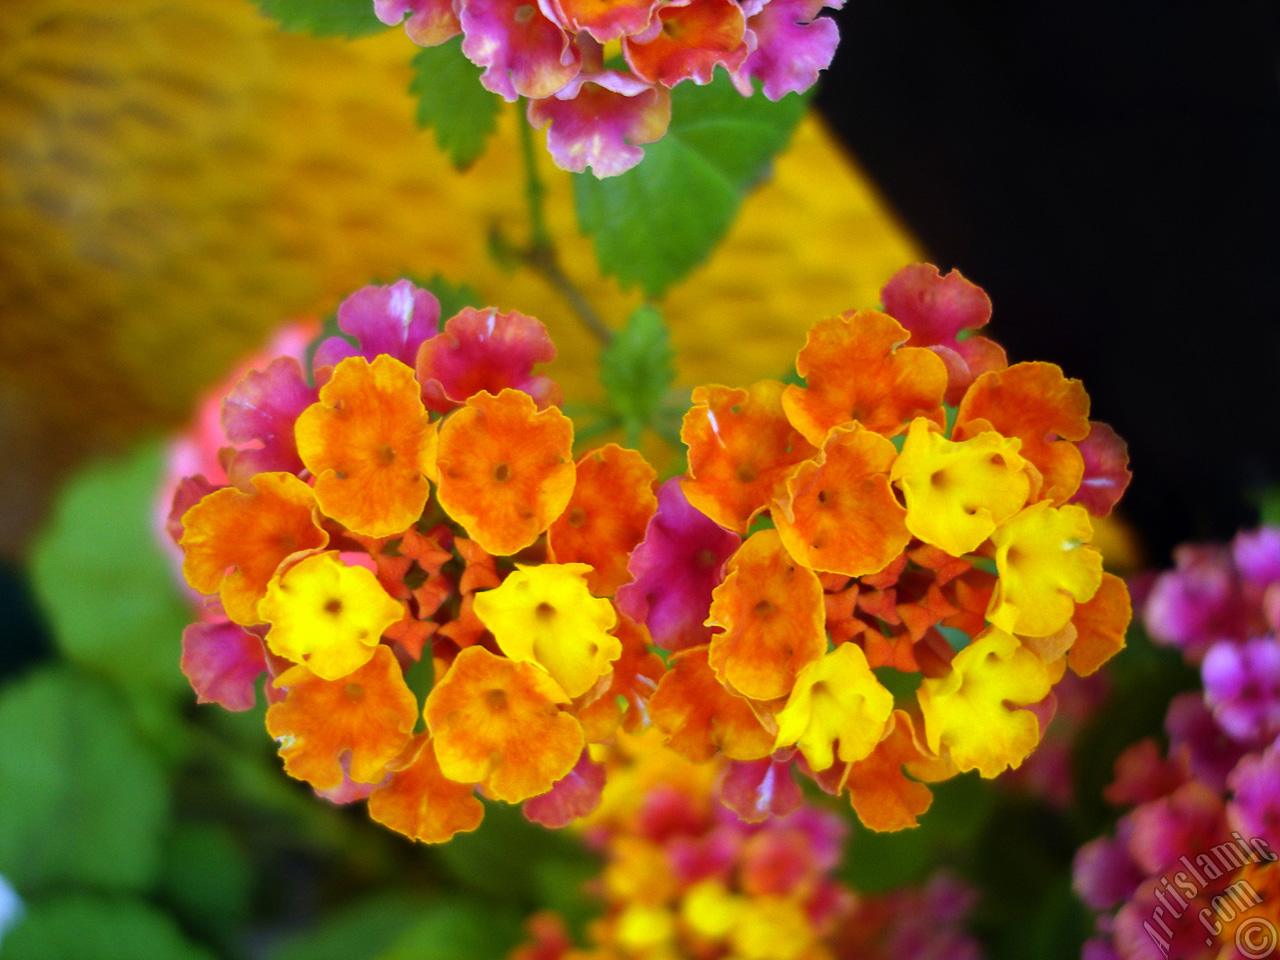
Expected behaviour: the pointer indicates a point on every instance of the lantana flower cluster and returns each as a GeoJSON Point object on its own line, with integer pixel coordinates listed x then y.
{"type": "Point", "coordinates": [1191, 869]}
{"type": "Point", "coordinates": [882, 569]}
{"type": "Point", "coordinates": [408, 548]}
{"type": "Point", "coordinates": [685, 877]}
{"type": "Point", "coordinates": [599, 108]}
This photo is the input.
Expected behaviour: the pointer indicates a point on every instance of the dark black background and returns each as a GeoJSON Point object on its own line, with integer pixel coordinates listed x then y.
{"type": "Point", "coordinates": [1110, 173]}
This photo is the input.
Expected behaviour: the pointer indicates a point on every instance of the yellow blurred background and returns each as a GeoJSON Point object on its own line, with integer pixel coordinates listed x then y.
{"type": "Point", "coordinates": [178, 178]}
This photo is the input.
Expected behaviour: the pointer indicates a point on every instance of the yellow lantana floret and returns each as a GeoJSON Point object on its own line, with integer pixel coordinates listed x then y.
{"type": "Point", "coordinates": [775, 928]}
{"type": "Point", "coordinates": [1046, 567]}
{"type": "Point", "coordinates": [327, 615]}
{"type": "Point", "coordinates": [836, 698]}
{"type": "Point", "coordinates": [974, 711]}
{"type": "Point", "coordinates": [546, 615]}
{"type": "Point", "coordinates": [711, 910]}
{"type": "Point", "coordinates": [958, 493]}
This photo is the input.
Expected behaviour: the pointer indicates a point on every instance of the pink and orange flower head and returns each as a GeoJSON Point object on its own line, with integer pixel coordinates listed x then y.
{"type": "Point", "coordinates": [881, 539]}
{"type": "Point", "coordinates": [424, 511]}
{"type": "Point", "coordinates": [553, 53]}
{"type": "Point", "coordinates": [383, 535]}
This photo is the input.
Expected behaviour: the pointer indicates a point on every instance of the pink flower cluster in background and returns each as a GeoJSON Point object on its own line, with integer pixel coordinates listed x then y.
{"type": "Point", "coordinates": [1179, 875]}
{"type": "Point", "coordinates": [553, 53]}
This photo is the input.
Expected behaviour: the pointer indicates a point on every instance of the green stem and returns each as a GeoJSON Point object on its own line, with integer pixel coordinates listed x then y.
{"type": "Point", "coordinates": [535, 190]}
{"type": "Point", "coordinates": [541, 254]}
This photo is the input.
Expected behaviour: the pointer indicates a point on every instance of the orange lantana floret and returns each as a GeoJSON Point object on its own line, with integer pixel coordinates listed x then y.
{"type": "Point", "coordinates": [420, 801]}
{"type": "Point", "coordinates": [840, 514]}
{"type": "Point", "coordinates": [741, 447]}
{"type": "Point", "coordinates": [1100, 626]}
{"type": "Point", "coordinates": [506, 469]}
{"type": "Point", "coordinates": [857, 369]}
{"type": "Point", "coordinates": [700, 717]}
{"type": "Point", "coordinates": [497, 723]}
{"type": "Point", "coordinates": [884, 797]}
{"type": "Point", "coordinates": [606, 517]}
{"type": "Point", "coordinates": [770, 612]}
{"type": "Point", "coordinates": [1037, 404]}
{"type": "Point", "coordinates": [371, 446]}
{"type": "Point", "coordinates": [369, 714]}
{"type": "Point", "coordinates": [234, 541]}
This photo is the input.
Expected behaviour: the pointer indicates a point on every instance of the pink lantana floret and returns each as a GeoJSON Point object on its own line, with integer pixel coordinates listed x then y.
{"type": "Point", "coordinates": [223, 662]}
{"type": "Point", "coordinates": [571, 797]}
{"type": "Point", "coordinates": [1257, 555]}
{"type": "Point", "coordinates": [1106, 470]}
{"type": "Point", "coordinates": [599, 119]}
{"type": "Point", "coordinates": [393, 320]}
{"type": "Point", "coordinates": [935, 309]}
{"type": "Point", "coordinates": [262, 410]}
{"type": "Point", "coordinates": [486, 350]}
{"type": "Point", "coordinates": [524, 53]}
{"type": "Point", "coordinates": [791, 45]}
{"type": "Point", "coordinates": [1242, 687]}
{"type": "Point", "coordinates": [757, 790]}
{"type": "Point", "coordinates": [674, 569]}
{"type": "Point", "coordinates": [430, 22]}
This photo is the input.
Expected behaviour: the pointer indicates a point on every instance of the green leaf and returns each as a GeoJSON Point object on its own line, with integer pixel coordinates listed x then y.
{"type": "Point", "coordinates": [659, 220]}
{"type": "Point", "coordinates": [207, 880]}
{"type": "Point", "coordinates": [83, 801]}
{"type": "Point", "coordinates": [452, 102]}
{"type": "Point", "coordinates": [459, 930]}
{"type": "Point", "coordinates": [85, 927]}
{"type": "Point", "coordinates": [324, 18]}
{"type": "Point", "coordinates": [362, 931]}
{"type": "Point", "coordinates": [100, 576]}
{"type": "Point", "coordinates": [636, 370]}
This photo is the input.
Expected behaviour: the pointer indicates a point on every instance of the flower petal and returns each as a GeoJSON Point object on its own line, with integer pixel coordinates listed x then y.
{"type": "Point", "coordinates": [771, 613]}
{"type": "Point", "coordinates": [700, 717]}
{"type": "Point", "coordinates": [606, 517]}
{"type": "Point", "coordinates": [370, 713]}
{"type": "Point", "coordinates": [545, 615]}
{"type": "Point", "coordinates": [675, 569]}
{"type": "Point", "coordinates": [837, 708]}
{"type": "Point", "coordinates": [370, 445]}
{"type": "Point", "coordinates": [975, 712]}
{"type": "Point", "coordinates": [506, 469]}
{"type": "Point", "coordinates": [327, 615]}
{"type": "Point", "coordinates": [1046, 567]}
{"type": "Point", "coordinates": [857, 367]}
{"type": "Point", "coordinates": [1037, 404]}
{"type": "Point", "coordinates": [840, 515]}
{"type": "Point", "coordinates": [233, 541]}
{"type": "Point", "coordinates": [741, 447]}
{"type": "Point", "coordinates": [421, 802]}
{"type": "Point", "coordinates": [223, 661]}
{"type": "Point", "coordinates": [496, 722]}
{"type": "Point", "coordinates": [485, 350]}
{"type": "Point", "coordinates": [958, 493]}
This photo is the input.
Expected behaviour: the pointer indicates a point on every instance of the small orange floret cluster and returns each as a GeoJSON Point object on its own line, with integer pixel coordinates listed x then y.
{"type": "Point", "coordinates": [430, 592]}
{"type": "Point", "coordinates": [915, 577]}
